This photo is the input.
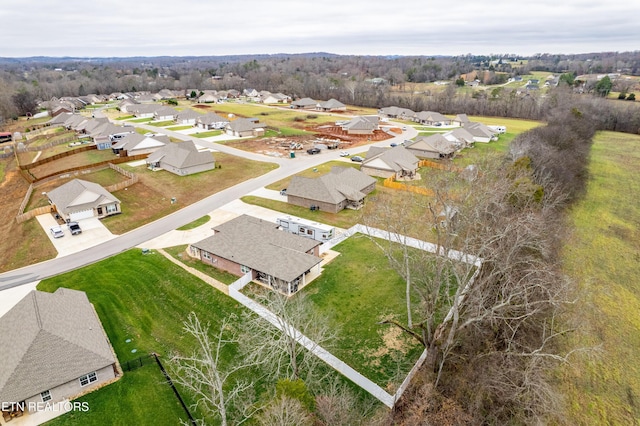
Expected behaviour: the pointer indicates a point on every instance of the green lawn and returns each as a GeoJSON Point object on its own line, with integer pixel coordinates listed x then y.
{"type": "Point", "coordinates": [179, 253]}
{"type": "Point", "coordinates": [144, 298]}
{"type": "Point", "coordinates": [176, 128]}
{"type": "Point", "coordinates": [603, 256]}
{"type": "Point", "coordinates": [355, 291]}
{"type": "Point", "coordinates": [127, 402]}
{"type": "Point", "coordinates": [343, 219]}
{"type": "Point", "coordinates": [162, 123]}
{"type": "Point", "coordinates": [207, 134]}
{"type": "Point", "coordinates": [200, 221]}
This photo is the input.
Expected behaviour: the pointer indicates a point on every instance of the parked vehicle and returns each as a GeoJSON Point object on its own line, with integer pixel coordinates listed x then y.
{"type": "Point", "coordinates": [313, 151]}
{"type": "Point", "coordinates": [57, 232]}
{"type": "Point", "coordinates": [74, 228]}
{"type": "Point", "coordinates": [344, 154]}
{"type": "Point", "coordinates": [393, 144]}
{"type": "Point", "coordinates": [357, 159]}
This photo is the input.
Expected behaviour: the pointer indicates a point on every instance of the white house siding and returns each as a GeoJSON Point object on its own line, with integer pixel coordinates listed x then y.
{"type": "Point", "coordinates": [83, 214]}
{"type": "Point", "coordinates": [190, 170]}
{"type": "Point", "coordinates": [73, 388]}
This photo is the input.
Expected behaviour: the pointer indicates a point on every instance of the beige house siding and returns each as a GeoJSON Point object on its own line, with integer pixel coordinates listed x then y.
{"type": "Point", "coordinates": [372, 171]}
{"type": "Point", "coordinates": [306, 202]}
{"type": "Point", "coordinates": [73, 389]}
{"type": "Point", "coordinates": [190, 170]}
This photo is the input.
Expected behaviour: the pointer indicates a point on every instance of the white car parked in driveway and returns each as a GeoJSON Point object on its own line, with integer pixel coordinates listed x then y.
{"type": "Point", "coordinates": [57, 232]}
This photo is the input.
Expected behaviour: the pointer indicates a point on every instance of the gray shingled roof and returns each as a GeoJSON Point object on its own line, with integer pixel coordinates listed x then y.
{"type": "Point", "coordinates": [304, 102]}
{"type": "Point", "coordinates": [181, 155]}
{"type": "Point", "coordinates": [434, 143]}
{"type": "Point", "coordinates": [342, 183]}
{"type": "Point", "coordinates": [243, 125]}
{"type": "Point", "coordinates": [135, 141]}
{"type": "Point", "coordinates": [331, 104]}
{"type": "Point", "coordinates": [397, 158]}
{"type": "Point", "coordinates": [211, 117]}
{"type": "Point", "coordinates": [261, 246]}
{"type": "Point", "coordinates": [78, 195]}
{"type": "Point", "coordinates": [49, 339]}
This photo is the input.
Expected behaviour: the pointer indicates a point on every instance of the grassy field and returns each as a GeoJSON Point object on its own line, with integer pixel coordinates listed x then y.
{"type": "Point", "coordinates": [355, 291]}
{"type": "Point", "coordinates": [343, 219]}
{"type": "Point", "coordinates": [150, 198]}
{"type": "Point", "coordinates": [200, 221]}
{"type": "Point", "coordinates": [603, 256]}
{"type": "Point", "coordinates": [148, 307]}
{"type": "Point", "coordinates": [313, 172]}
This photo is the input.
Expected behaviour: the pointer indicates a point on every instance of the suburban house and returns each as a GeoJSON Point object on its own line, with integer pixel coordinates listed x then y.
{"type": "Point", "coordinates": [208, 98]}
{"type": "Point", "coordinates": [126, 105]}
{"type": "Point", "coordinates": [304, 103]}
{"type": "Point", "coordinates": [460, 137]}
{"type": "Point", "coordinates": [434, 146]}
{"type": "Point", "coordinates": [397, 112]}
{"type": "Point", "coordinates": [274, 98]}
{"type": "Point", "coordinates": [361, 125]}
{"type": "Point", "coordinates": [53, 349]}
{"type": "Point", "coordinates": [181, 158]}
{"type": "Point", "coordinates": [460, 120]}
{"type": "Point", "coordinates": [210, 121]}
{"type": "Point", "coordinates": [278, 259]}
{"type": "Point", "coordinates": [136, 144]}
{"type": "Point", "coordinates": [395, 162]}
{"type": "Point", "coordinates": [143, 110]}
{"type": "Point", "coordinates": [80, 199]}
{"type": "Point", "coordinates": [244, 127]}
{"type": "Point", "coordinates": [165, 113]}
{"type": "Point", "coordinates": [148, 98]}
{"type": "Point", "coordinates": [331, 105]}
{"type": "Point", "coordinates": [188, 116]}
{"type": "Point", "coordinates": [480, 132]}
{"type": "Point", "coordinates": [431, 118]}
{"type": "Point", "coordinates": [342, 187]}
{"type": "Point", "coordinates": [105, 134]}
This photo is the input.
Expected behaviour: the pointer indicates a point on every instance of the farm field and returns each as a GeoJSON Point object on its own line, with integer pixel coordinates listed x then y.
{"type": "Point", "coordinates": [603, 256]}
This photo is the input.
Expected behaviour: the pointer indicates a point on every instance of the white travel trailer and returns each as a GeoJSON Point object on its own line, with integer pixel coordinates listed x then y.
{"type": "Point", "coordinates": [306, 228]}
{"type": "Point", "coordinates": [499, 129]}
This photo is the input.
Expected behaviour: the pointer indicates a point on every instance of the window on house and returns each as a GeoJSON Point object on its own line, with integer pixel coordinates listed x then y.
{"type": "Point", "coordinates": [245, 269]}
{"type": "Point", "coordinates": [46, 396]}
{"type": "Point", "coordinates": [206, 255]}
{"type": "Point", "coordinates": [111, 208]}
{"type": "Point", "coordinates": [88, 378]}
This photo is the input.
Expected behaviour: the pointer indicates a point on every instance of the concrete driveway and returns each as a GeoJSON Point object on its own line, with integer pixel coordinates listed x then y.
{"type": "Point", "coordinates": [93, 233]}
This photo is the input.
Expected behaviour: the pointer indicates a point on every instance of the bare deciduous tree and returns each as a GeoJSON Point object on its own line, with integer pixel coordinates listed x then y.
{"type": "Point", "coordinates": [280, 348]}
{"type": "Point", "coordinates": [285, 411]}
{"type": "Point", "coordinates": [211, 380]}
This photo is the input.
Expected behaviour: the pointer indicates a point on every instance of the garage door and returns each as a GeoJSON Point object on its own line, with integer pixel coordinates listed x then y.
{"type": "Point", "coordinates": [81, 215]}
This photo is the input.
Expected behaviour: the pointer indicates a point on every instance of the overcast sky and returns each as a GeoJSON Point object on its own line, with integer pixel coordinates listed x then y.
{"type": "Point", "coordinates": [105, 28]}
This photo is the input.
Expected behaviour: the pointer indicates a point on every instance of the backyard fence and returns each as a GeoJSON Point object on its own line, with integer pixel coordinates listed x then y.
{"type": "Point", "coordinates": [137, 363]}
{"type": "Point", "coordinates": [48, 145]}
{"type": "Point", "coordinates": [390, 183]}
{"type": "Point", "coordinates": [57, 157]}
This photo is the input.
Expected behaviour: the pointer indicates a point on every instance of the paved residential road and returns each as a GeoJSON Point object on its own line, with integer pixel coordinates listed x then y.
{"type": "Point", "coordinates": [186, 215]}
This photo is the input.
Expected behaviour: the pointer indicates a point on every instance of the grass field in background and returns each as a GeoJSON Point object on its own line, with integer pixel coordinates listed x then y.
{"type": "Point", "coordinates": [603, 256]}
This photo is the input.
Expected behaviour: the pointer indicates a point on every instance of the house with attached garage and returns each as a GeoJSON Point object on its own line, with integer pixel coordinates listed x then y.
{"type": "Point", "coordinates": [362, 125]}
{"type": "Point", "coordinates": [165, 113]}
{"type": "Point", "coordinates": [273, 257]}
{"type": "Point", "coordinates": [181, 159]}
{"type": "Point", "coordinates": [244, 127]}
{"type": "Point", "coordinates": [137, 144]}
{"type": "Point", "coordinates": [434, 146]}
{"type": "Point", "coordinates": [342, 187]}
{"type": "Point", "coordinates": [481, 132]}
{"type": "Point", "coordinates": [188, 116]}
{"type": "Point", "coordinates": [331, 105]}
{"type": "Point", "coordinates": [431, 118]}
{"type": "Point", "coordinates": [304, 103]}
{"type": "Point", "coordinates": [211, 121]}
{"type": "Point", "coordinates": [397, 112]}
{"type": "Point", "coordinates": [460, 137]}
{"type": "Point", "coordinates": [53, 349]}
{"type": "Point", "coordinates": [80, 199]}
{"type": "Point", "coordinates": [396, 162]}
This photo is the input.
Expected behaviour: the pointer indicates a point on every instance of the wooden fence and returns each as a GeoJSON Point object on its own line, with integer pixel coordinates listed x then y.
{"type": "Point", "coordinates": [48, 145]}
{"type": "Point", "coordinates": [58, 156]}
{"type": "Point", "coordinates": [390, 183]}
{"type": "Point", "coordinates": [133, 178]}
{"type": "Point", "coordinates": [96, 166]}
{"type": "Point", "coordinates": [35, 212]}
